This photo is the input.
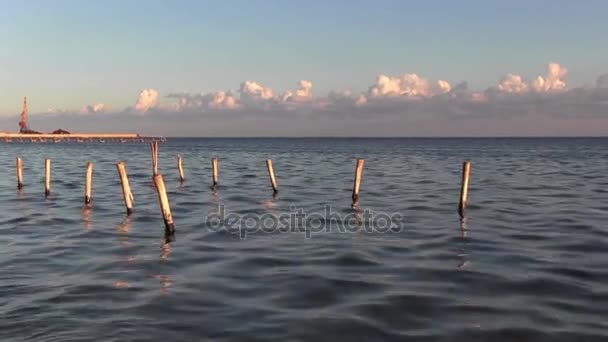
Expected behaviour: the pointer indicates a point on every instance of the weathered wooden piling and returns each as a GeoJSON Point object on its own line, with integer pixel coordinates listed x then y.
{"type": "Point", "coordinates": [87, 184]}
{"type": "Point", "coordinates": [154, 148]}
{"type": "Point", "coordinates": [215, 172]}
{"type": "Point", "coordinates": [464, 190]}
{"type": "Point", "coordinates": [273, 181]}
{"type": "Point", "coordinates": [47, 177]}
{"type": "Point", "coordinates": [357, 182]}
{"type": "Point", "coordinates": [164, 204]}
{"type": "Point", "coordinates": [126, 188]}
{"type": "Point", "coordinates": [180, 168]}
{"type": "Point", "coordinates": [19, 173]}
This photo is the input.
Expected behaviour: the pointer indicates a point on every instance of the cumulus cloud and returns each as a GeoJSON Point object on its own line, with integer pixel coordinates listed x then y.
{"type": "Point", "coordinates": [410, 95]}
{"type": "Point", "coordinates": [553, 81]}
{"type": "Point", "coordinates": [388, 98]}
{"type": "Point", "coordinates": [302, 94]}
{"type": "Point", "coordinates": [252, 91]}
{"type": "Point", "coordinates": [148, 99]}
{"type": "Point", "coordinates": [444, 86]}
{"type": "Point", "coordinates": [512, 83]}
{"type": "Point", "coordinates": [202, 102]}
{"type": "Point", "coordinates": [407, 85]}
{"type": "Point", "coordinates": [91, 109]}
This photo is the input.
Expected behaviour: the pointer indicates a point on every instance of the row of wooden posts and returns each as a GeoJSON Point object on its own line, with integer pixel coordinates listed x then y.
{"type": "Point", "coordinates": [162, 193]}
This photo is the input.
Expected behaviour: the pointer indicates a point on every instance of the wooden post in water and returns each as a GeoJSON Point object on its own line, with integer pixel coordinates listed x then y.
{"type": "Point", "coordinates": [165, 208]}
{"type": "Point", "coordinates": [273, 181]}
{"type": "Point", "coordinates": [215, 175]}
{"type": "Point", "coordinates": [357, 182]}
{"type": "Point", "coordinates": [180, 168]}
{"type": "Point", "coordinates": [87, 184]}
{"type": "Point", "coordinates": [464, 190]}
{"type": "Point", "coordinates": [154, 148]}
{"type": "Point", "coordinates": [47, 177]}
{"type": "Point", "coordinates": [126, 188]}
{"type": "Point", "coordinates": [19, 173]}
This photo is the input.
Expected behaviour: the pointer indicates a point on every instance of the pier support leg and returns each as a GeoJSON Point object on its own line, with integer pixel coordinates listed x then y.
{"type": "Point", "coordinates": [273, 181]}
{"type": "Point", "coordinates": [215, 177]}
{"type": "Point", "coordinates": [47, 177]}
{"type": "Point", "coordinates": [464, 190]}
{"type": "Point", "coordinates": [126, 188]}
{"type": "Point", "coordinates": [357, 182]}
{"type": "Point", "coordinates": [19, 173]}
{"type": "Point", "coordinates": [88, 184]}
{"type": "Point", "coordinates": [180, 168]}
{"type": "Point", "coordinates": [154, 148]}
{"type": "Point", "coordinates": [164, 205]}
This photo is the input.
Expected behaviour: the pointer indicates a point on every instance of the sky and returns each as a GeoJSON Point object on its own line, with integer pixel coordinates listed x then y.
{"type": "Point", "coordinates": [312, 68]}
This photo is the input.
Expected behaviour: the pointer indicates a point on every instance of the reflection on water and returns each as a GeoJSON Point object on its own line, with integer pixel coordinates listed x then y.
{"type": "Point", "coordinates": [165, 283]}
{"type": "Point", "coordinates": [165, 250]}
{"type": "Point", "coordinates": [269, 204]}
{"type": "Point", "coordinates": [124, 228]}
{"type": "Point", "coordinates": [463, 227]}
{"type": "Point", "coordinates": [121, 284]}
{"type": "Point", "coordinates": [86, 218]}
{"type": "Point", "coordinates": [528, 263]}
{"type": "Point", "coordinates": [462, 250]}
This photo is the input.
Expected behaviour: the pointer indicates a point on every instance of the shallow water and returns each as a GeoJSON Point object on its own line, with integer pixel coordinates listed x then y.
{"type": "Point", "coordinates": [529, 262]}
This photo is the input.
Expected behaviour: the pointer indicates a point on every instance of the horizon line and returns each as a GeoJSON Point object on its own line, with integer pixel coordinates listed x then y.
{"type": "Point", "coordinates": [398, 137]}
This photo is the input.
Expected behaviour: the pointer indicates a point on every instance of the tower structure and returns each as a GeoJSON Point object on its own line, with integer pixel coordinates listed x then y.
{"type": "Point", "coordinates": [23, 123]}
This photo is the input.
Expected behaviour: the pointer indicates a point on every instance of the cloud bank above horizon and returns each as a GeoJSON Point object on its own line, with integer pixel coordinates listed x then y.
{"type": "Point", "coordinates": [391, 101]}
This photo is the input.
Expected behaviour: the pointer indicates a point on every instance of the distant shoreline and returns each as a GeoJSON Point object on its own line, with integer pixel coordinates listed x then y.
{"type": "Point", "coordinates": [396, 137]}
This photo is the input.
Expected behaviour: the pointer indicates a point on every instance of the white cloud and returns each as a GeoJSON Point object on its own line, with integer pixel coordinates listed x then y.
{"type": "Point", "coordinates": [202, 102]}
{"type": "Point", "coordinates": [224, 100]}
{"type": "Point", "coordinates": [444, 86]}
{"type": "Point", "coordinates": [96, 108]}
{"type": "Point", "coordinates": [302, 94]}
{"type": "Point", "coordinates": [553, 81]}
{"type": "Point", "coordinates": [253, 91]}
{"type": "Point", "coordinates": [407, 85]}
{"type": "Point", "coordinates": [512, 83]}
{"type": "Point", "coordinates": [410, 95]}
{"type": "Point", "coordinates": [361, 100]}
{"type": "Point", "coordinates": [148, 99]}
{"type": "Point", "coordinates": [394, 97]}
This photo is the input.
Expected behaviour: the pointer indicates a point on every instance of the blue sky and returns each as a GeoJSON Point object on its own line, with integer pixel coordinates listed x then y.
{"type": "Point", "coordinates": [68, 54]}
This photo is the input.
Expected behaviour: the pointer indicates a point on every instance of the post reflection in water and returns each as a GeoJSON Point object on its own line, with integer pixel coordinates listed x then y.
{"type": "Point", "coordinates": [124, 228]}
{"type": "Point", "coordinates": [165, 283]}
{"type": "Point", "coordinates": [165, 251]}
{"type": "Point", "coordinates": [462, 253]}
{"type": "Point", "coordinates": [86, 217]}
{"type": "Point", "coordinates": [359, 221]}
{"type": "Point", "coordinates": [269, 204]}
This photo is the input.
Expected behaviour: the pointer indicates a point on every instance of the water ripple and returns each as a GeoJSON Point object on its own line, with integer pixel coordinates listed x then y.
{"type": "Point", "coordinates": [528, 263]}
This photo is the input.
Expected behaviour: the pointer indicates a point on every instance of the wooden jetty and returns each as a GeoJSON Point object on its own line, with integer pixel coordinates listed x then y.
{"type": "Point", "coordinates": [77, 137]}
{"type": "Point", "coordinates": [26, 134]}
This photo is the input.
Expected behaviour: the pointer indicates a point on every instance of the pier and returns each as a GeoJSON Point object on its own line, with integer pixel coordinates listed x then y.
{"type": "Point", "coordinates": [26, 134]}
{"type": "Point", "coordinates": [77, 137]}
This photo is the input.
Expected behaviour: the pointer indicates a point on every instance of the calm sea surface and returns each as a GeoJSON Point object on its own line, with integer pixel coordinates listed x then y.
{"type": "Point", "coordinates": [530, 261]}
